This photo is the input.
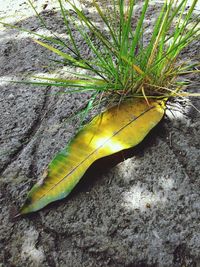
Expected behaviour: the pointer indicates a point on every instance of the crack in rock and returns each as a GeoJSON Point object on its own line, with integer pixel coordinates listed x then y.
{"type": "Point", "coordinates": [29, 135]}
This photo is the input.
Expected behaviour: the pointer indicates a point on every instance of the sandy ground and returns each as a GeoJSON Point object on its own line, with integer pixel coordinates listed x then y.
{"type": "Point", "coordinates": [144, 211]}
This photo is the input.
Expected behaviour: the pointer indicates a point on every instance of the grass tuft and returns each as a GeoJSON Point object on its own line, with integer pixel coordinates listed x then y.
{"type": "Point", "coordinates": [124, 62]}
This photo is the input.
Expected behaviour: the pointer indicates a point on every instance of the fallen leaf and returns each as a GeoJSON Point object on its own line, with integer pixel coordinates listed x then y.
{"type": "Point", "coordinates": [116, 129]}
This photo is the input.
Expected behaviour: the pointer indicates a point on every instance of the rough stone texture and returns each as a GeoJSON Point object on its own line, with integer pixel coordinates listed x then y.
{"type": "Point", "coordinates": [144, 211]}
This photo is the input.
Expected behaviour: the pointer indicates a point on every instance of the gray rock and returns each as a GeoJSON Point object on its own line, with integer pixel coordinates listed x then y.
{"type": "Point", "coordinates": [144, 211]}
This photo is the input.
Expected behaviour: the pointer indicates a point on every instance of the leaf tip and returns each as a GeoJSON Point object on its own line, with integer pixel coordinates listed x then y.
{"type": "Point", "coordinates": [27, 206]}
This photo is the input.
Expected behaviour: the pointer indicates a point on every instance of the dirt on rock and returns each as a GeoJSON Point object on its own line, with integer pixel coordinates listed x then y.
{"type": "Point", "coordinates": [141, 209]}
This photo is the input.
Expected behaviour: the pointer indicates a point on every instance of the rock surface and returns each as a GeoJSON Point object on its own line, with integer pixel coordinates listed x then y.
{"type": "Point", "coordinates": [144, 211]}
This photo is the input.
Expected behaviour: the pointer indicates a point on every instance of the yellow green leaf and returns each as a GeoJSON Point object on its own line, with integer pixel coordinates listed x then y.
{"type": "Point", "coordinates": [60, 53]}
{"type": "Point", "coordinates": [116, 129]}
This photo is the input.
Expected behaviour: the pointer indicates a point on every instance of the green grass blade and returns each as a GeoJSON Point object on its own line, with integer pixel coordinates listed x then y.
{"type": "Point", "coordinates": [37, 14]}
{"type": "Point", "coordinates": [76, 49]}
{"type": "Point", "coordinates": [103, 17]}
{"type": "Point", "coordinates": [138, 30]}
{"type": "Point", "coordinates": [62, 54]}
